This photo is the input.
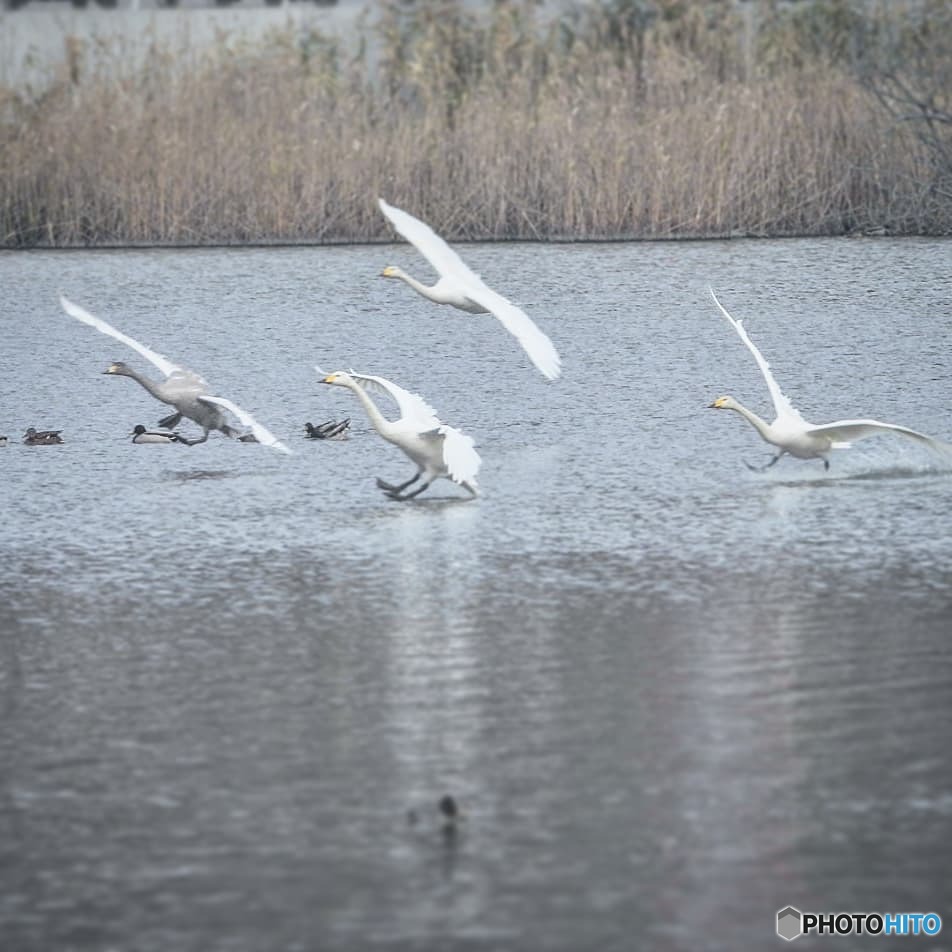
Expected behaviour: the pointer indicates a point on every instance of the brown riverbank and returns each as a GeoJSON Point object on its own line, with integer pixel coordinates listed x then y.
{"type": "Point", "coordinates": [643, 120]}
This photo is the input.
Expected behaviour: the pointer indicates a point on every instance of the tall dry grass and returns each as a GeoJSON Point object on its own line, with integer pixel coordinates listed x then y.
{"type": "Point", "coordinates": [637, 118]}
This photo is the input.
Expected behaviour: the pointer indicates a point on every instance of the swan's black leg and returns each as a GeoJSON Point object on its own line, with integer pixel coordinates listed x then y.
{"type": "Point", "coordinates": [416, 492]}
{"type": "Point", "coordinates": [766, 466]}
{"type": "Point", "coordinates": [389, 488]}
{"type": "Point", "coordinates": [171, 421]}
{"type": "Point", "coordinates": [201, 439]}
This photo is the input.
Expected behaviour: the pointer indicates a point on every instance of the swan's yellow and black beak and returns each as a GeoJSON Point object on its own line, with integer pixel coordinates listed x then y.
{"type": "Point", "coordinates": [718, 404]}
{"type": "Point", "coordinates": [329, 378]}
{"type": "Point", "coordinates": [389, 272]}
{"type": "Point", "coordinates": [112, 369]}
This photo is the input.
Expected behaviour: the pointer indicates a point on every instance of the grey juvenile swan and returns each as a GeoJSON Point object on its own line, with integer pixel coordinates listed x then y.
{"type": "Point", "coordinates": [182, 389]}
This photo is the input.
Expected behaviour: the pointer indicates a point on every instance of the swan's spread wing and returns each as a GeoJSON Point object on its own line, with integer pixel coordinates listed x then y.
{"type": "Point", "coordinates": [163, 363]}
{"type": "Point", "coordinates": [540, 349]}
{"type": "Point", "coordinates": [461, 459]}
{"type": "Point", "coordinates": [413, 408]}
{"type": "Point", "coordinates": [849, 431]}
{"type": "Point", "coordinates": [446, 261]}
{"type": "Point", "coordinates": [783, 407]}
{"type": "Point", "coordinates": [185, 381]}
{"type": "Point", "coordinates": [262, 433]}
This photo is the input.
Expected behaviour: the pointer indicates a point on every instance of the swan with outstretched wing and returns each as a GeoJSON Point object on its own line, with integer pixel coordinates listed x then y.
{"type": "Point", "coordinates": [182, 389]}
{"type": "Point", "coordinates": [462, 288]}
{"type": "Point", "coordinates": [791, 433]}
{"type": "Point", "coordinates": [437, 449]}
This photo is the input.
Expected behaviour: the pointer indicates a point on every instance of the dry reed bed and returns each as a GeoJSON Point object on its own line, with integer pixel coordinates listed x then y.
{"type": "Point", "coordinates": [610, 128]}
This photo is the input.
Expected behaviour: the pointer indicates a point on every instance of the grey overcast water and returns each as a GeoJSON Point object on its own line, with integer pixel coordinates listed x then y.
{"type": "Point", "coordinates": [671, 695]}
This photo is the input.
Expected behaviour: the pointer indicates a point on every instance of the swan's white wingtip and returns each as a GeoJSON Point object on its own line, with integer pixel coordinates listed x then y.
{"type": "Point", "coordinates": [80, 313]}
{"type": "Point", "coordinates": [723, 309]}
{"type": "Point", "coordinates": [67, 305]}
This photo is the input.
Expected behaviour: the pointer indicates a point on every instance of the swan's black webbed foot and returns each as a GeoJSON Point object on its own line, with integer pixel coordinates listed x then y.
{"type": "Point", "coordinates": [403, 497]}
{"type": "Point", "coordinates": [765, 467]}
{"type": "Point", "coordinates": [389, 488]}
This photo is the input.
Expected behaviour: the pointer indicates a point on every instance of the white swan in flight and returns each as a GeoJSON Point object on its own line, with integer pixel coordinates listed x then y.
{"type": "Point", "coordinates": [436, 449]}
{"type": "Point", "coordinates": [182, 389]}
{"type": "Point", "coordinates": [790, 433]}
{"type": "Point", "coordinates": [464, 289]}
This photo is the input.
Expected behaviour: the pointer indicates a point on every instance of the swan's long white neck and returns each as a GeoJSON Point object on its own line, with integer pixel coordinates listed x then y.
{"type": "Point", "coordinates": [759, 424]}
{"type": "Point", "coordinates": [149, 385]}
{"type": "Point", "coordinates": [419, 287]}
{"type": "Point", "coordinates": [381, 424]}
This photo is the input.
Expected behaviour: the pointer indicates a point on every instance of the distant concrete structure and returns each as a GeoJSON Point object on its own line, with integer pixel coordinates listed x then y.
{"type": "Point", "coordinates": [37, 37]}
{"type": "Point", "coordinates": [158, 4]}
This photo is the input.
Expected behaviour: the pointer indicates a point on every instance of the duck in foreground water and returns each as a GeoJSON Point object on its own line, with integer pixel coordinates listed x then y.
{"type": "Point", "coordinates": [34, 437]}
{"type": "Point", "coordinates": [466, 290]}
{"type": "Point", "coordinates": [141, 435]}
{"type": "Point", "coordinates": [182, 389]}
{"type": "Point", "coordinates": [449, 811]}
{"type": "Point", "coordinates": [437, 450]}
{"type": "Point", "coordinates": [792, 434]}
{"type": "Point", "coordinates": [331, 430]}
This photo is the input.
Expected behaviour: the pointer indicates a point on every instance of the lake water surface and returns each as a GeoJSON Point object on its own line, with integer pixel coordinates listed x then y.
{"type": "Point", "coordinates": [671, 695]}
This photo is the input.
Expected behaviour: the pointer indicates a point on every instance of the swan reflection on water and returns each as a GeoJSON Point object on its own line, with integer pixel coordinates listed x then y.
{"type": "Point", "coordinates": [186, 476]}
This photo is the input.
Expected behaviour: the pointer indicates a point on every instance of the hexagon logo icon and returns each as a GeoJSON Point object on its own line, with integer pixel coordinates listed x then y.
{"type": "Point", "coordinates": [788, 923]}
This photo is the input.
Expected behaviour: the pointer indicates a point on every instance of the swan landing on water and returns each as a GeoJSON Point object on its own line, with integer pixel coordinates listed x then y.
{"type": "Point", "coordinates": [438, 450]}
{"type": "Point", "coordinates": [182, 389]}
{"type": "Point", "coordinates": [792, 434]}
